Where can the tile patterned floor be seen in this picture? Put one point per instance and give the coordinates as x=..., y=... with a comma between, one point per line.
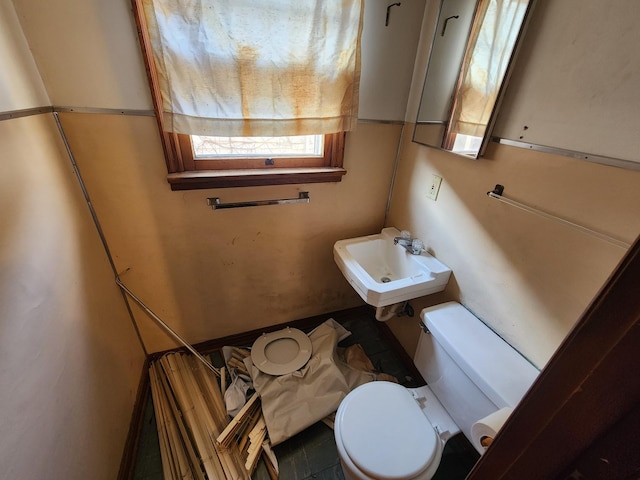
x=312, y=454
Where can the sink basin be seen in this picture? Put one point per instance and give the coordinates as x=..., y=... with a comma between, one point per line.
x=383, y=273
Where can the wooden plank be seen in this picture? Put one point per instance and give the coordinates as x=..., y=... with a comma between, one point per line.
x=223, y=380
x=239, y=354
x=239, y=178
x=229, y=460
x=197, y=439
x=210, y=394
x=243, y=435
x=182, y=439
x=227, y=433
x=168, y=468
x=172, y=422
x=256, y=437
x=183, y=462
x=270, y=460
x=210, y=460
x=238, y=365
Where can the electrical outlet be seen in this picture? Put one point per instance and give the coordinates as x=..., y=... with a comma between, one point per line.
x=434, y=187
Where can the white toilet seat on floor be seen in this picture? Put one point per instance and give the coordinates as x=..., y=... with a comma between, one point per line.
x=383, y=433
x=281, y=352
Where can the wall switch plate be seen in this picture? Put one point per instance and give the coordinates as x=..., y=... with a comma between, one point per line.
x=434, y=187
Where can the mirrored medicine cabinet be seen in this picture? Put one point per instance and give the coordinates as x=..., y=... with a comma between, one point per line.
x=472, y=52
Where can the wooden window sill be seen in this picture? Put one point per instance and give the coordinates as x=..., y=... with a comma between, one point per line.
x=193, y=180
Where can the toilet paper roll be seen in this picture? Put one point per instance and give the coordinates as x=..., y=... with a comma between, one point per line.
x=485, y=429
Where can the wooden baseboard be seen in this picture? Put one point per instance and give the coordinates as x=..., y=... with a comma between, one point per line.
x=128, y=461
x=247, y=338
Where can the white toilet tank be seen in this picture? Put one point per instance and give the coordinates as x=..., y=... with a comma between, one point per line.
x=471, y=370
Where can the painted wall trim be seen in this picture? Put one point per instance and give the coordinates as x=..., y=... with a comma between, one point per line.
x=124, y=111
x=589, y=157
x=9, y=115
x=24, y=113
x=105, y=111
x=385, y=122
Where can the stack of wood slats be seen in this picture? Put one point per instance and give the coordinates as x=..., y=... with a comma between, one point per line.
x=236, y=360
x=248, y=431
x=197, y=440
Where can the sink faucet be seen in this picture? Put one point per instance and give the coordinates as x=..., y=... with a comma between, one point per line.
x=412, y=245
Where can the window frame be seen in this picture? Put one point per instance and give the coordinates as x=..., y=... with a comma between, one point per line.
x=179, y=157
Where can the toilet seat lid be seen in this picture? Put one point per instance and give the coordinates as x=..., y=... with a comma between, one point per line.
x=281, y=352
x=385, y=433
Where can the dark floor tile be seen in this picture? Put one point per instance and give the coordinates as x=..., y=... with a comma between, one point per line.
x=320, y=447
x=387, y=362
x=365, y=332
x=152, y=476
x=292, y=459
x=216, y=358
x=334, y=472
x=148, y=460
x=458, y=459
x=261, y=472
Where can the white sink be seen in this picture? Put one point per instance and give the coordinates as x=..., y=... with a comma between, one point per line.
x=383, y=273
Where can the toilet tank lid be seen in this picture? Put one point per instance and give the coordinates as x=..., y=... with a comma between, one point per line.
x=498, y=370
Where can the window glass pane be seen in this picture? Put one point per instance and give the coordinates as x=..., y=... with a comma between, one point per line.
x=296, y=146
x=466, y=144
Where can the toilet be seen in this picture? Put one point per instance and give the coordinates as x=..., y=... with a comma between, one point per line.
x=386, y=431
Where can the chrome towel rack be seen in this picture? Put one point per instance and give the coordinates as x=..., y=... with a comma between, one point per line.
x=214, y=202
x=497, y=192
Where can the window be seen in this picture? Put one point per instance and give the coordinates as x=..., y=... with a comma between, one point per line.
x=230, y=109
x=220, y=148
x=251, y=161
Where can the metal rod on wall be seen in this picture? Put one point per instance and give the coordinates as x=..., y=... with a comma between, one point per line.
x=166, y=327
x=214, y=202
x=497, y=194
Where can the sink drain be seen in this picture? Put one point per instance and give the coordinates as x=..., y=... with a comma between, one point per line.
x=385, y=279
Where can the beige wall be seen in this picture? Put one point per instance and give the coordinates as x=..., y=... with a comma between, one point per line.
x=206, y=273
x=87, y=52
x=587, y=65
x=70, y=361
x=214, y=273
x=530, y=278
x=388, y=56
x=20, y=84
x=104, y=69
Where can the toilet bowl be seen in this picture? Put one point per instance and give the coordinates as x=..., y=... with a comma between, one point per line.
x=386, y=431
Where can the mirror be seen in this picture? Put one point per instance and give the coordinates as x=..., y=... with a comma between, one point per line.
x=472, y=50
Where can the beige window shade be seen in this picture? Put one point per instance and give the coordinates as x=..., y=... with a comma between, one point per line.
x=257, y=67
x=491, y=42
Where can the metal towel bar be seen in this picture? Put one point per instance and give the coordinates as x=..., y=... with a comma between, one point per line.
x=497, y=194
x=214, y=202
